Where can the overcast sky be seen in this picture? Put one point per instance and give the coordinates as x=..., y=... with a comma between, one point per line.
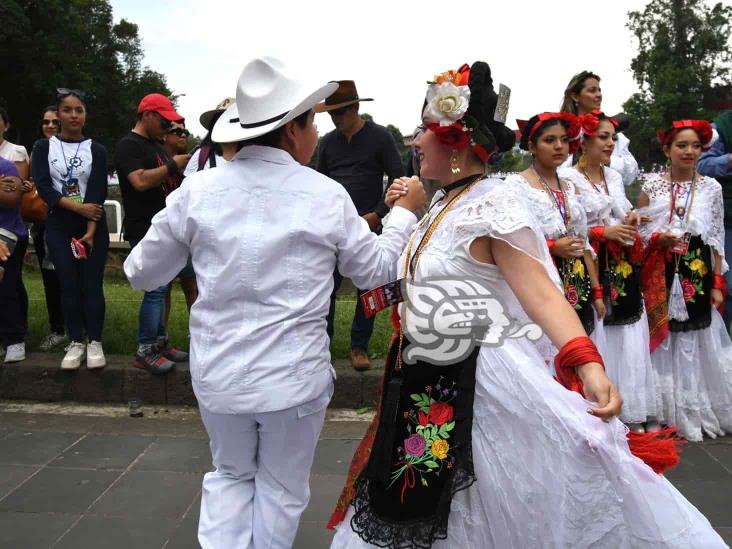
x=390, y=48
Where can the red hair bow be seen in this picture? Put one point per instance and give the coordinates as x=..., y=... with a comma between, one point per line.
x=702, y=128
x=573, y=129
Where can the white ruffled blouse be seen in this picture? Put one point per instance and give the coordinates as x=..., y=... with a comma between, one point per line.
x=545, y=210
x=705, y=217
x=600, y=208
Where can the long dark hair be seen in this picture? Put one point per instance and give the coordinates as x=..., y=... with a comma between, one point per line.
x=208, y=144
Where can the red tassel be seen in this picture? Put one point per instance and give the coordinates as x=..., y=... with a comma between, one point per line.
x=335, y=519
x=660, y=450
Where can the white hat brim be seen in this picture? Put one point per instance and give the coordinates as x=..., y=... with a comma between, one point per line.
x=228, y=129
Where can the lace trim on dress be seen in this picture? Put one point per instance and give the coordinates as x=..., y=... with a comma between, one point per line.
x=503, y=213
x=416, y=534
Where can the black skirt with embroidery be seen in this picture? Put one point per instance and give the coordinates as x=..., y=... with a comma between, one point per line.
x=621, y=280
x=697, y=277
x=421, y=456
x=577, y=289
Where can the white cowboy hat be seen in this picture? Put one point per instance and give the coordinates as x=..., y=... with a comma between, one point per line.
x=268, y=95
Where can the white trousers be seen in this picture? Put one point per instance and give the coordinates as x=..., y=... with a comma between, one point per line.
x=260, y=487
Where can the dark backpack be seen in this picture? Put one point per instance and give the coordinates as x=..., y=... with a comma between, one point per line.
x=206, y=153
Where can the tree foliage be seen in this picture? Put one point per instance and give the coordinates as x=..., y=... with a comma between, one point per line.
x=72, y=44
x=399, y=140
x=514, y=160
x=684, y=56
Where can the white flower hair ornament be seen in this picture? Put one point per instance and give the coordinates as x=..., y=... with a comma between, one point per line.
x=447, y=103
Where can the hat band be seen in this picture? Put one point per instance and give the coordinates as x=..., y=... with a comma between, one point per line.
x=338, y=100
x=262, y=123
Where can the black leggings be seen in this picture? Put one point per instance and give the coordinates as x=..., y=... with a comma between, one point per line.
x=13, y=298
x=51, y=284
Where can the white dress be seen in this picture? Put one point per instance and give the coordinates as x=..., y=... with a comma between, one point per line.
x=552, y=225
x=549, y=475
x=627, y=354
x=693, y=368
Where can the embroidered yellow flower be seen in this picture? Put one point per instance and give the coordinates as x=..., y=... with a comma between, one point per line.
x=698, y=266
x=578, y=268
x=440, y=448
x=624, y=268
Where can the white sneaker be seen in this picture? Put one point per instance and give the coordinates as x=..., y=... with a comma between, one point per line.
x=15, y=353
x=95, y=355
x=75, y=352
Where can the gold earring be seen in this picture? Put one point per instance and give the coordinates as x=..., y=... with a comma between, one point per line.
x=582, y=162
x=454, y=166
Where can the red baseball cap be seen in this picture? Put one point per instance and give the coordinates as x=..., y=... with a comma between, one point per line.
x=158, y=103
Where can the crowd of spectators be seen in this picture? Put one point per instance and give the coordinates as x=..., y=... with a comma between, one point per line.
x=67, y=175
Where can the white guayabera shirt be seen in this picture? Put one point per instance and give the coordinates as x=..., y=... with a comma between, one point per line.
x=265, y=234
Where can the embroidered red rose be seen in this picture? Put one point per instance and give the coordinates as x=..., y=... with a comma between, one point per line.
x=440, y=413
x=613, y=292
x=453, y=136
x=422, y=419
x=571, y=294
x=689, y=290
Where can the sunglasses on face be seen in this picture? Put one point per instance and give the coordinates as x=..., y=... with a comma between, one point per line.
x=180, y=132
x=47, y=122
x=341, y=111
x=164, y=122
x=65, y=92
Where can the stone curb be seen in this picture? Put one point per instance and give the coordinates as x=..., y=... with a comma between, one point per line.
x=40, y=378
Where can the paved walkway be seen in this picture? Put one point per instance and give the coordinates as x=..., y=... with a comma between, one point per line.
x=74, y=477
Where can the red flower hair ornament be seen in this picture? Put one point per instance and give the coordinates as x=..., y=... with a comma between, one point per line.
x=590, y=122
x=702, y=128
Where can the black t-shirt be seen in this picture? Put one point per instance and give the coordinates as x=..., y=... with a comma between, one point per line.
x=360, y=164
x=135, y=152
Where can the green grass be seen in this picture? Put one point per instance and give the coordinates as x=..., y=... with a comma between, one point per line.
x=123, y=306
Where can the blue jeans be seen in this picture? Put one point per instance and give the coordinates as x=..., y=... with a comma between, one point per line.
x=82, y=281
x=152, y=313
x=728, y=276
x=361, y=328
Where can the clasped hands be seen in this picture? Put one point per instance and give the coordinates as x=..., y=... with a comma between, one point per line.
x=406, y=192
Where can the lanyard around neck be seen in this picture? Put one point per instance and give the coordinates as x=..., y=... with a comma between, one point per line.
x=563, y=208
x=689, y=202
x=594, y=186
x=69, y=167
